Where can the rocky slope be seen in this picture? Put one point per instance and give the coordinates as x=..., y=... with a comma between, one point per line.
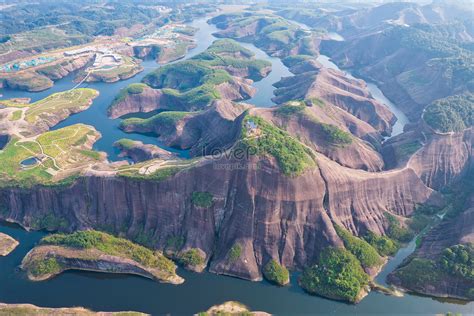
x=137, y=151
x=316, y=126
x=439, y=277
x=90, y=260
x=413, y=66
x=312, y=80
x=203, y=132
x=444, y=159
x=249, y=205
x=43, y=78
x=7, y=244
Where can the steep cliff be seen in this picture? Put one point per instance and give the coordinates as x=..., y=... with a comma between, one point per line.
x=138, y=151
x=444, y=159
x=445, y=255
x=413, y=65
x=312, y=80
x=256, y=212
x=321, y=127
x=215, y=128
x=43, y=78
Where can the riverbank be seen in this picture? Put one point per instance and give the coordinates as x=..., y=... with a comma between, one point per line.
x=114, y=292
x=29, y=309
x=98, y=252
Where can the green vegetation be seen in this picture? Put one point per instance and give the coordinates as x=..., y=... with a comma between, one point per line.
x=451, y=114
x=192, y=83
x=396, y=231
x=38, y=40
x=276, y=273
x=125, y=143
x=273, y=34
x=175, y=242
x=383, y=244
x=361, y=249
x=58, y=150
x=50, y=222
x=289, y=109
x=229, y=47
x=294, y=60
x=166, y=119
x=44, y=267
x=418, y=273
x=335, y=135
x=16, y=115
x=459, y=260
x=70, y=100
x=159, y=175
x=292, y=156
x=74, y=20
x=202, y=199
x=134, y=88
x=191, y=257
x=407, y=149
x=235, y=252
x=337, y=274
x=317, y=102
x=111, y=245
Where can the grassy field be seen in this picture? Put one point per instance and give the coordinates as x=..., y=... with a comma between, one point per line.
x=59, y=153
x=16, y=115
x=71, y=100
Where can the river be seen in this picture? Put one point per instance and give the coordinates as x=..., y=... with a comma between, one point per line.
x=108, y=292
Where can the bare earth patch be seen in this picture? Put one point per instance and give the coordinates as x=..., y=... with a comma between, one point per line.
x=7, y=244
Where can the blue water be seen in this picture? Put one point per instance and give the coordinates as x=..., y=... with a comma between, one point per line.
x=29, y=162
x=96, y=115
x=108, y=292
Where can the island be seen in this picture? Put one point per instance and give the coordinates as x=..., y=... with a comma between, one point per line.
x=96, y=251
x=230, y=308
x=268, y=150
x=29, y=309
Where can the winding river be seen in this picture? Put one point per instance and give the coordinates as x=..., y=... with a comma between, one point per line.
x=200, y=291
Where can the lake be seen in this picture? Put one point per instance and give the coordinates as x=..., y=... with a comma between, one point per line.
x=108, y=292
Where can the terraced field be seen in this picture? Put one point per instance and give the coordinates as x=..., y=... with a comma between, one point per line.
x=71, y=100
x=58, y=154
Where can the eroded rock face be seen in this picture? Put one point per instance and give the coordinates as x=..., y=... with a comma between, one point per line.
x=444, y=159
x=307, y=127
x=217, y=127
x=43, y=78
x=147, y=101
x=314, y=81
x=255, y=208
x=408, y=74
x=450, y=232
x=155, y=99
x=92, y=260
x=137, y=151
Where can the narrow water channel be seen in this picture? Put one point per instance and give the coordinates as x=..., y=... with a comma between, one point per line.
x=200, y=291
x=109, y=292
